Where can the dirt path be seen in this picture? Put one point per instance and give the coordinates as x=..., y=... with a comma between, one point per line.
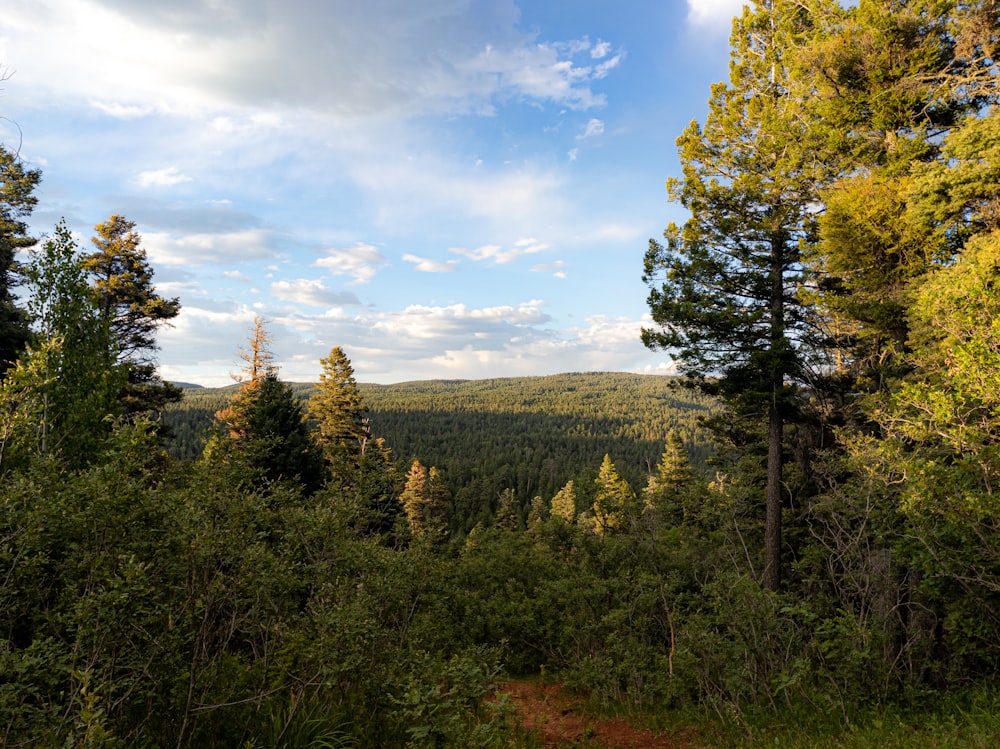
x=557, y=717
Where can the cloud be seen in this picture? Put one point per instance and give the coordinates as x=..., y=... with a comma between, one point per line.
x=361, y=262
x=415, y=342
x=717, y=13
x=593, y=128
x=501, y=256
x=555, y=268
x=311, y=293
x=431, y=266
x=122, y=111
x=166, y=177
x=599, y=50
x=206, y=248
x=348, y=59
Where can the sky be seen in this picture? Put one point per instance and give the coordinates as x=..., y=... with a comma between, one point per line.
x=446, y=189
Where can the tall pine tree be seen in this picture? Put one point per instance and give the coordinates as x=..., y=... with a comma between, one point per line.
x=724, y=286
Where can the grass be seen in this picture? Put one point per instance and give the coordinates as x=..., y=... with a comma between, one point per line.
x=964, y=722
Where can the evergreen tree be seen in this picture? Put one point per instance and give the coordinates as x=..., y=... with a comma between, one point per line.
x=668, y=491
x=17, y=200
x=508, y=513
x=425, y=501
x=374, y=492
x=258, y=365
x=277, y=445
x=123, y=285
x=341, y=429
x=267, y=431
x=564, y=503
x=615, y=502
x=724, y=286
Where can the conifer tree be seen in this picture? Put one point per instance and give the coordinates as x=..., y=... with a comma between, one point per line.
x=123, y=286
x=724, y=286
x=614, y=502
x=17, y=200
x=564, y=503
x=258, y=364
x=277, y=444
x=265, y=421
x=667, y=492
x=341, y=428
x=508, y=513
x=425, y=500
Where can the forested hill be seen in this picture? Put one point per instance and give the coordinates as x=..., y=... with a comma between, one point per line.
x=531, y=434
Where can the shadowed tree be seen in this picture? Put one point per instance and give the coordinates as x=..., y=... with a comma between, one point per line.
x=17, y=186
x=668, y=492
x=123, y=285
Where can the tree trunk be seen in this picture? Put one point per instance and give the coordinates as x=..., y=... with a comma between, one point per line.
x=775, y=419
x=772, y=530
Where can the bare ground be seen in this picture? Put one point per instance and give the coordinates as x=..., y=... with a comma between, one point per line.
x=559, y=719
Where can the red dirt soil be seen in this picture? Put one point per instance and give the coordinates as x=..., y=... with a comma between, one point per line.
x=558, y=718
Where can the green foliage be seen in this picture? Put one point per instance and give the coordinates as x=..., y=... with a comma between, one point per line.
x=62, y=395
x=17, y=200
x=533, y=434
x=453, y=704
x=336, y=407
x=122, y=282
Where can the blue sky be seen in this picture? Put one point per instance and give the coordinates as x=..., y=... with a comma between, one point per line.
x=444, y=188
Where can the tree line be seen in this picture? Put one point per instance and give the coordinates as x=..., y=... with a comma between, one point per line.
x=529, y=435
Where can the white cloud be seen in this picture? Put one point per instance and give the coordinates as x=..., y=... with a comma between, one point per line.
x=499, y=255
x=200, y=248
x=312, y=293
x=431, y=266
x=408, y=188
x=573, y=153
x=718, y=13
x=344, y=58
x=361, y=262
x=593, y=128
x=166, y=177
x=555, y=268
x=416, y=342
x=122, y=111
x=601, y=49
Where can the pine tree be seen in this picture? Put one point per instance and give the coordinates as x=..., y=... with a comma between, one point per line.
x=668, y=490
x=266, y=427
x=277, y=444
x=564, y=503
x=508, y=513
x=724, y=287
x=425, y=501
x=258, y=365
x=374, y=492
x=615, y=502
x=342, y=430
x=17, y=200
x=123, y=285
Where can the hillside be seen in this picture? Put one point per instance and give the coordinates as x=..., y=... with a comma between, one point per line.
x=532, y=434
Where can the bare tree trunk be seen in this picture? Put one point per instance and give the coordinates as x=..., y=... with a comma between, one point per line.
x=772, y=530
